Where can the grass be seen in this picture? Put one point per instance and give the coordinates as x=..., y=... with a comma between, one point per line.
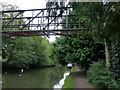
x=0, y=57
x=68, y=82
x=73, y=69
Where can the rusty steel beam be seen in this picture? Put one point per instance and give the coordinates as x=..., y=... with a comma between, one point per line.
x=41, y=33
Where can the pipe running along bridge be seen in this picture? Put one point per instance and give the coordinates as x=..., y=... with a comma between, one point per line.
x=38, y=22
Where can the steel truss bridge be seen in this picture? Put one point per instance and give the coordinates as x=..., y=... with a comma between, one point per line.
x=38, y=22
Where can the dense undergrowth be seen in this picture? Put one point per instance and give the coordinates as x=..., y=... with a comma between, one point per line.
x=101, y=77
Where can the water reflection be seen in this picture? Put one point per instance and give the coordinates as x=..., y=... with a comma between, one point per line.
x=33, y=78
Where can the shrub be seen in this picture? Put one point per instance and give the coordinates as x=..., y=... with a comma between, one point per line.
x=101, y=77
x=23, y=52
x=78, y=49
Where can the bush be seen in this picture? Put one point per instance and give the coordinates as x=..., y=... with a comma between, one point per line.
x=23, y=52
x=78, y=49
x=101, y=77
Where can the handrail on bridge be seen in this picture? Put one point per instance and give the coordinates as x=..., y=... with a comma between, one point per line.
x=46, y=21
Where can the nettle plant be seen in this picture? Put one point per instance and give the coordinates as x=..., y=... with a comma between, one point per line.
x=114, y=51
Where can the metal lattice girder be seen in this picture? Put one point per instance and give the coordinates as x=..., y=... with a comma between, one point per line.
x=40, y=33
x=36, y=22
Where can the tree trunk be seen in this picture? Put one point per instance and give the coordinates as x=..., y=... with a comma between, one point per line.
x=107, y=55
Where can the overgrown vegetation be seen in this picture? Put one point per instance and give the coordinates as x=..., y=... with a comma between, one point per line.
x=77, y=49
x=22, y=52
x=101, y=77
x=102, y=23
x=114, y=50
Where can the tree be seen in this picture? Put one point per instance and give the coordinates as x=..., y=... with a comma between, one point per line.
x=78, y=49
x=6, y=7
x=23, y=52
x=57, y=5
x=104, y=20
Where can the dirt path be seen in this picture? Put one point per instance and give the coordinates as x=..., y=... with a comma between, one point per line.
x=80, y=80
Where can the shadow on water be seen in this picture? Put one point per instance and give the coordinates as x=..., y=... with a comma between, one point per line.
x=34, y=78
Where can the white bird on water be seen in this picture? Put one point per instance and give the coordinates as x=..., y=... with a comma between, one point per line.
x=21, y=72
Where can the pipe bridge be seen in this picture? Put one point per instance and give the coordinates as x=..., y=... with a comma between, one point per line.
x=38, y=22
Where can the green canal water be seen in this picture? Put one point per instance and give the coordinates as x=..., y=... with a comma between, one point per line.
x=33, y=78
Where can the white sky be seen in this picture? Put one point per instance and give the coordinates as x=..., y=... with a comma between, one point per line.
x=29, y=4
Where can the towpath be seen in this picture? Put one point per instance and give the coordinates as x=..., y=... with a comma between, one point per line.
x=80, y=80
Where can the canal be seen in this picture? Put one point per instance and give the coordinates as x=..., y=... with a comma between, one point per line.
x=45, y=77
